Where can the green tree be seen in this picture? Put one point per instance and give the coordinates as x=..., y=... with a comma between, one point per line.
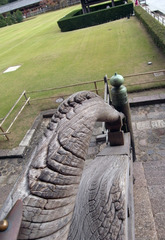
x=9, y=19
x=18, y=16
x=13, y=18
x=2, y=2
x=9, y=1
x=2, y=21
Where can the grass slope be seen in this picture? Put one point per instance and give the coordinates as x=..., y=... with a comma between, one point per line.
x=50, y=58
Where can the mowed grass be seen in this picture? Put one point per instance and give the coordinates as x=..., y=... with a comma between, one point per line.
x=50, y=58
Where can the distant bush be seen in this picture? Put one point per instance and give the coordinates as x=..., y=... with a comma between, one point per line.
x=18, y=16
x=10, y=19
x=2, y=21
x=2, y=2
x=155, y=29
x=77, y=20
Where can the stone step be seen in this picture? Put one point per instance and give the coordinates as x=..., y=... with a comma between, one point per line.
x=155, y=177
x=145, y=228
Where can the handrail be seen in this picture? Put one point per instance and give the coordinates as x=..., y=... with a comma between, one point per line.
x=27, y=101
x=12, y=108
x=146, y=73
x=95, y=84
x=3, y=132
x=66, y=86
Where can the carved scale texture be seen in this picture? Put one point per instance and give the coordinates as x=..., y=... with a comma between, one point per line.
x=56, y=169
x=100, y=208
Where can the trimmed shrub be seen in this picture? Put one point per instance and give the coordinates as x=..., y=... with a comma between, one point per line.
x=155, y=29
x=76, y=20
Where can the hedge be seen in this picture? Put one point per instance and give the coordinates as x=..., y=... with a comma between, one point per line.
x=76, y=20
x=155, y=29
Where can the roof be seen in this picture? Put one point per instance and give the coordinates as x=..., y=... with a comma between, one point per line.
x=156, y=5
x=17, y=5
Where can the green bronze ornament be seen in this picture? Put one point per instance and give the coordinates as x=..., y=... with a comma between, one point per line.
x=119, y=91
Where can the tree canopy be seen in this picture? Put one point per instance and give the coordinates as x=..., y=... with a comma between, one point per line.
x=2, y=2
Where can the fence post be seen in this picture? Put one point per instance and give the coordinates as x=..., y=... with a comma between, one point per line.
x=96, y=88
x=120, y=102
x=4, y=133
x=26, y=97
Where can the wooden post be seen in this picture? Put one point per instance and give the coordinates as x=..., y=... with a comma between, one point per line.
x=4, y=133
x=26, y=97
x=96, y=88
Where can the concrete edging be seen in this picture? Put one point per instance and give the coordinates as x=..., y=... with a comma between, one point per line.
x=147, y=100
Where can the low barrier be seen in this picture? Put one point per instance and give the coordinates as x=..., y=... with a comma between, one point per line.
x=5, y=133
x=94, y=88
x=95, y=84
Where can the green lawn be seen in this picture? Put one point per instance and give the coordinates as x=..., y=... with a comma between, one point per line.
x=50, y=58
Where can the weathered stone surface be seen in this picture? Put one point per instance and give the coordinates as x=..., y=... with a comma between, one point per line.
x=28, y=137
x=159, y=220
x=117, y=150
x=17, y=152
x=150, y=147
x=144, y=221
x=101, y=207
x=56, y=167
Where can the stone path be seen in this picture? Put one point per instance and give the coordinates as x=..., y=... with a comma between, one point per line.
x=149, y=168
x=149, y=171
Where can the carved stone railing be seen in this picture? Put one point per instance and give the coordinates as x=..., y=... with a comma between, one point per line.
x=50, y=188
x=104, y=204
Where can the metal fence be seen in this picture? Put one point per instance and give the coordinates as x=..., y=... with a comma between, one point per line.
x=155, y=14
x=62, y=4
